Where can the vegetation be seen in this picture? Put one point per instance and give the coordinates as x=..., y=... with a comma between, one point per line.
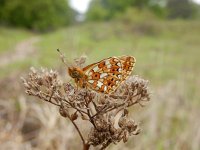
x=185, y=9
x=37, y=15
x=109, y=9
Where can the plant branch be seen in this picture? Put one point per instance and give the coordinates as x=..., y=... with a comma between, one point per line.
x=100, y=111
x=65, y=101
x=79, y=132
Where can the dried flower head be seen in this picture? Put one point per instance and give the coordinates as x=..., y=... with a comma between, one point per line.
x=107, y=113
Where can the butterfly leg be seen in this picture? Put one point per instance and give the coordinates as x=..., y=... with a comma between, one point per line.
x=82, y=83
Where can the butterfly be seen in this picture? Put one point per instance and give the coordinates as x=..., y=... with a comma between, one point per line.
x=103, y=76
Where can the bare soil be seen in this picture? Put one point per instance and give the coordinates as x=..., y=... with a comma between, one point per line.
x=20, y=52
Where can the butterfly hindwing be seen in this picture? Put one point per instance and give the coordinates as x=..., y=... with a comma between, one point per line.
x=106, y=75
x=128, y=63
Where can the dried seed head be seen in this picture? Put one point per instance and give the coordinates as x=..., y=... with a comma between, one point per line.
x=101, y=110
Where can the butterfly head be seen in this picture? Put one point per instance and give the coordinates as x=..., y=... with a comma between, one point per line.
x=75, y=72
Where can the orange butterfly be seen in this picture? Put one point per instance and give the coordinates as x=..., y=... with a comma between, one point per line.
x=104, y=76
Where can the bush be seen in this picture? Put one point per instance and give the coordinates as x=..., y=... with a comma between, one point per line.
x=109, y=9
x=97, y=13
x=184, y=9
x=37, y=15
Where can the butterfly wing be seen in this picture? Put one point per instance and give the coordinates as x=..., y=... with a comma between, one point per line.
x=106, y=75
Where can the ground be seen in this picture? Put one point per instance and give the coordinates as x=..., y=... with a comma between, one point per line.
x=167, y=54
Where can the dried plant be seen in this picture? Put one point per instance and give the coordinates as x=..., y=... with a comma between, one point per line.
x=107, y=114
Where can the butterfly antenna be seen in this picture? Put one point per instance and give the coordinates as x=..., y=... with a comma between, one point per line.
x=62, y=56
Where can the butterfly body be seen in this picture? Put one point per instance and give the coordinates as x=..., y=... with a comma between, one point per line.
x=104, y=76
x=78, y=75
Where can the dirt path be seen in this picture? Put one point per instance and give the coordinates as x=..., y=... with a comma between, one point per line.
x=20, y=52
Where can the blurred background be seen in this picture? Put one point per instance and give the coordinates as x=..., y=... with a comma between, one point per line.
x=163, y=35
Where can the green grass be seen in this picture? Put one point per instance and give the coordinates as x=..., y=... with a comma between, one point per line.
x=161, y=56
x=164, y=50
